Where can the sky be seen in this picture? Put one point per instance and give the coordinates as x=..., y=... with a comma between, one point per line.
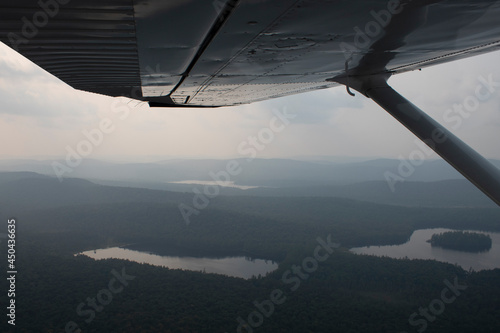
x=42, y=117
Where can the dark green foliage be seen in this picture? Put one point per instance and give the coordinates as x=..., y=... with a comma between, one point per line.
x=346, y=293
x=462, y=241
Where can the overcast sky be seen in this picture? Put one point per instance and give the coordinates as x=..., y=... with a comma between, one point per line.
x=40, y=116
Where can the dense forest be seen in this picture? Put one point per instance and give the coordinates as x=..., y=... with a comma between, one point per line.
x=462, y=241
x=327, y=291
x=347, y=293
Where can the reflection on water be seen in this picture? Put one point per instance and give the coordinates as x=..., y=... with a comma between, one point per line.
x=418, y=248
x=214, y=183
x=232, y=266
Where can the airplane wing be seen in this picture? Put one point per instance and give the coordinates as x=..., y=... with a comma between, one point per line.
x=210, y=53
x=229, y=52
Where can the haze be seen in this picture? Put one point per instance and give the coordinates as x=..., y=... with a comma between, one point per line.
x=41, y=117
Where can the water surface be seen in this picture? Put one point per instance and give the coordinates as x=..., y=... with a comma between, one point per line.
x=242, y=267
x=214, y=183
x=418, y=248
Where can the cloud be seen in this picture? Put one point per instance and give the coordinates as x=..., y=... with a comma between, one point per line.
x=26, y=90
x=438, y=89
x=317, y=107
x=40, y=115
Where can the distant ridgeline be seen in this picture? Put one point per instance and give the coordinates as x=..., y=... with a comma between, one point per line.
x=462, y=241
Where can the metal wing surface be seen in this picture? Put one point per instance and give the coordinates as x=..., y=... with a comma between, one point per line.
x=230, y=52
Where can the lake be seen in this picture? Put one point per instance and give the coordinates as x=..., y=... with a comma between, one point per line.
x=242, y=267
x=418, y=248
x=214, y=183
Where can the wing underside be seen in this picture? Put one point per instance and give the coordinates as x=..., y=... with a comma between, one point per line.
x=229, y=52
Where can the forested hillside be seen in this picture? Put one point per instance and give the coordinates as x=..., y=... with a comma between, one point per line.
x=327, y=291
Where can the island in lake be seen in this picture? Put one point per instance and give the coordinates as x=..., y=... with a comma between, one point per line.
x=462, y=241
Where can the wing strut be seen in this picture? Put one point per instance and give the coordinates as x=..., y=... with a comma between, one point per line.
x=462, y=157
